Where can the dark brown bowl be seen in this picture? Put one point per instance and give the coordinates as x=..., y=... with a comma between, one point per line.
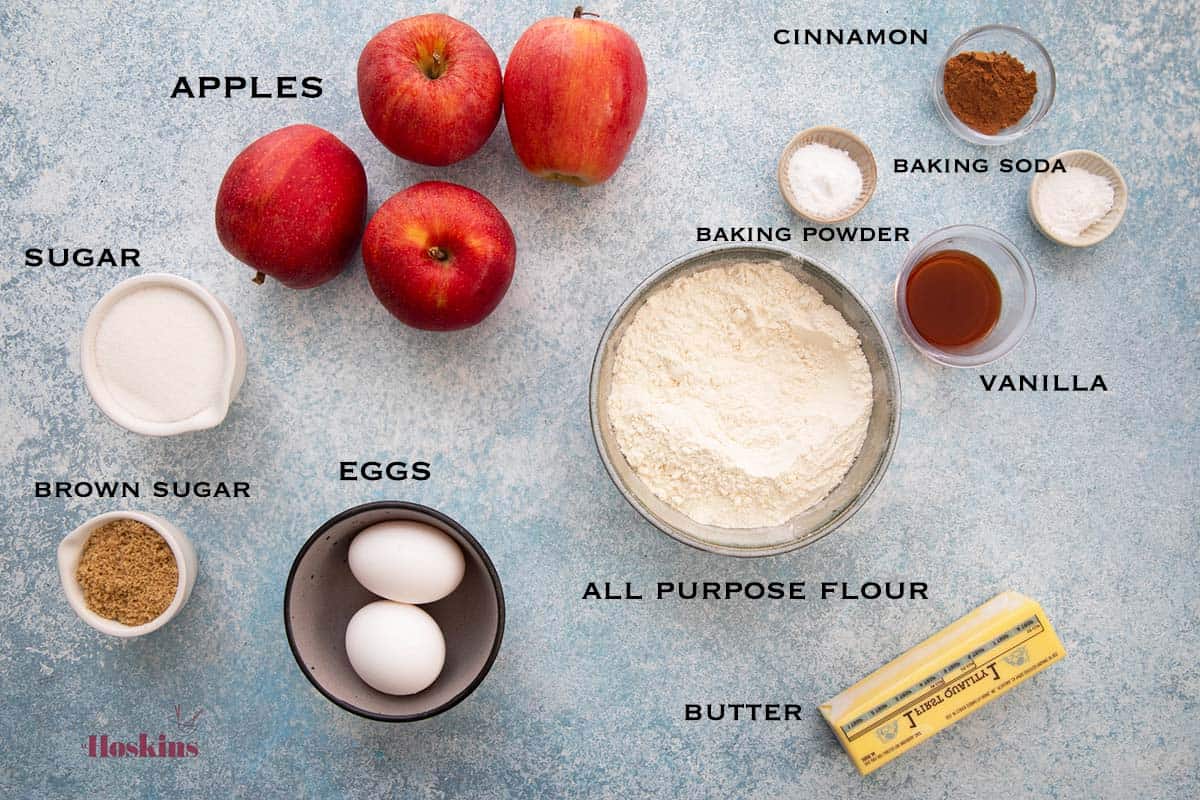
x=322, y=595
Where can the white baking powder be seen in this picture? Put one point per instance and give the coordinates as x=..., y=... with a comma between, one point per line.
x=825, y=180
x=739, y=396
x=1070, y=202
x=161, y=354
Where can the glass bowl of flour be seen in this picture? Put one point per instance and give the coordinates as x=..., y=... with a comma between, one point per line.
x=745, y=400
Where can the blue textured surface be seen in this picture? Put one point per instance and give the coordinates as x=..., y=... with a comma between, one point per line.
x=1084, y=501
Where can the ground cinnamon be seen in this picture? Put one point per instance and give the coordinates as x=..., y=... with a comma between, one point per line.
x=988, y=92
x=127, y=572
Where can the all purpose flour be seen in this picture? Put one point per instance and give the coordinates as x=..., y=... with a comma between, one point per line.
x=739, y=396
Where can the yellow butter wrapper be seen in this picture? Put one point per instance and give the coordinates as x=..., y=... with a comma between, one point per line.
x=960, y=668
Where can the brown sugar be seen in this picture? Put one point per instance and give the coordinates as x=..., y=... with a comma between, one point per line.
x=127, y=572
x=988, y=92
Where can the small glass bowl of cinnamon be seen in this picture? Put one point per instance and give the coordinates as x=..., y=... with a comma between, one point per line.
x=983, y=88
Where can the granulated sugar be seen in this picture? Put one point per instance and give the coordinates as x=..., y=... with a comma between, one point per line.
x=161, y=354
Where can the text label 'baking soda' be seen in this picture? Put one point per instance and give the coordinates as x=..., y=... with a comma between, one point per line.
x=974, y=166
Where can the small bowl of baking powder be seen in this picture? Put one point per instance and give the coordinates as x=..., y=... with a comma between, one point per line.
x=827, y=174
x=745, y=400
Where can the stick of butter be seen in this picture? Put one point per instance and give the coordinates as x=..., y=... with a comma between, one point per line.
x=952, y=673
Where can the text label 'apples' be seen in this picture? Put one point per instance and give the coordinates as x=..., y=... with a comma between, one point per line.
x=574, y=93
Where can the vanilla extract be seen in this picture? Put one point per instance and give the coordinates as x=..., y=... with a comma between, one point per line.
x=953, y=299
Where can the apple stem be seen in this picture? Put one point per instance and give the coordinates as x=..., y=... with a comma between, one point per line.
x=579, y=12
x=259, y=278
x=436, y=67
x=437, y=253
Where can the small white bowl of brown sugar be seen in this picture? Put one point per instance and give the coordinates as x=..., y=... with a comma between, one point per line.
x=127, y=573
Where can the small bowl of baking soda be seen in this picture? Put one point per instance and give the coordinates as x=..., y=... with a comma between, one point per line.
x=1082, y=205
x=827, y=175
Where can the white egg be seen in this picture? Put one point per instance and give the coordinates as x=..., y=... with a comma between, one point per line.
x=396, y=648
x=407, y=561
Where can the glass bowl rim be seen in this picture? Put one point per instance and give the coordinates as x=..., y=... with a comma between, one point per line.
x=958, y=126
x=1025, y=318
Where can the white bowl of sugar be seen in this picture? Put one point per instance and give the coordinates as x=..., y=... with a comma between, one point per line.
x=162, y=356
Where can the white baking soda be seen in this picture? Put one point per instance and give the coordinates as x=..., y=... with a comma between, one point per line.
x=160, y=352
x=1071, y=202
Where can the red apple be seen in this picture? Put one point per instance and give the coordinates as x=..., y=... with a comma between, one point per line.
x=439, y=256
x=292, y=206
x=429, y=88
x=574, y=93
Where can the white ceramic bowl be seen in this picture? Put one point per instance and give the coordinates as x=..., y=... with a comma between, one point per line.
x=70, y=550
x=234, y=370
x=838, y=138
x=1099, y=230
